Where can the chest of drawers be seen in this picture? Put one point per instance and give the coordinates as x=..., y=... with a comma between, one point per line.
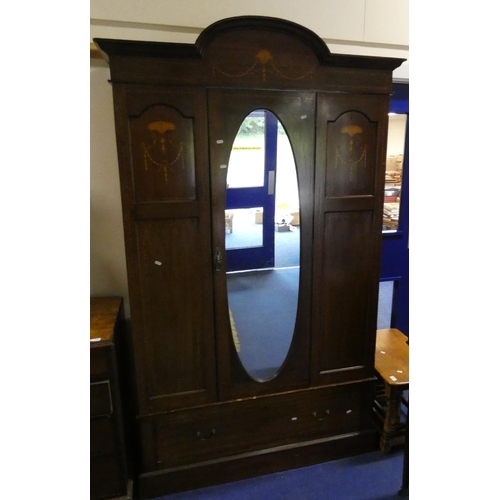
x=109, y=469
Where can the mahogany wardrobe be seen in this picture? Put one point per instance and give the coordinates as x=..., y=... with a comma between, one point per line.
x=201, y=416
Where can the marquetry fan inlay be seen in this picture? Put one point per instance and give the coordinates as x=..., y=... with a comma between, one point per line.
x=350, y=169
x=162, y=152
x=356, y=154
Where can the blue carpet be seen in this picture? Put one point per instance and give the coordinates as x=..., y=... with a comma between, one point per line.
x=372, y=476
x=264, y=308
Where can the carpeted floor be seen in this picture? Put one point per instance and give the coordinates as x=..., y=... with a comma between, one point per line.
x=263, y=306
x=371, y=476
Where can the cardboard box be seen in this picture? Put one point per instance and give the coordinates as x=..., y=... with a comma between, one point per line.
x=296, y=218
x=229, y=221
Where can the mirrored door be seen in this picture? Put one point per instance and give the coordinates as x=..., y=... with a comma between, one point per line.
x=262, y=309
x=394, y=273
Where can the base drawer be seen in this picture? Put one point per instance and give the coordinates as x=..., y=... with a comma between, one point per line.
x=187, y=436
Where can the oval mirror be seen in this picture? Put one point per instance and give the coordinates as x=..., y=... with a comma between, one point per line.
x=262, y=244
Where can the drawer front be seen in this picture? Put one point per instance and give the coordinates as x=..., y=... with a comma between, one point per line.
x=100, y=361
x=231, y=428
x=102, y=436
x=100, y=399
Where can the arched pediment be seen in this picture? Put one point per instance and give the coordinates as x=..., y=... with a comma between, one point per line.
x=261, y=49
x=265, y=25
x=248, y=52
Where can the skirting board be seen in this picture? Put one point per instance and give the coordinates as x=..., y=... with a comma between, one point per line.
x=244, y=466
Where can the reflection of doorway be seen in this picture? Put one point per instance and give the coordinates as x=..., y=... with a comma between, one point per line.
x=245, y=232
x=262, y=201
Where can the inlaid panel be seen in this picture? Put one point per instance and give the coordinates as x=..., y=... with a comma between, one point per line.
x=261, y=58
x=350, y=155
x=260, y=52
x=163, y=155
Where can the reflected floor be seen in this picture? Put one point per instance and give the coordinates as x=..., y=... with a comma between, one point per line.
x=263, y=305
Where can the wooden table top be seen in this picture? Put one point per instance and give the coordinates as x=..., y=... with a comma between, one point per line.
x=392, y=356
x=103, y=316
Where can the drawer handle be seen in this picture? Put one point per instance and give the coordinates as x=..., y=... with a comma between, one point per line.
x=327, y=412
x=207, y=437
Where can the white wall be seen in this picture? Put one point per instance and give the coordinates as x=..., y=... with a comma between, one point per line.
x=107, y=251
x=360, y=27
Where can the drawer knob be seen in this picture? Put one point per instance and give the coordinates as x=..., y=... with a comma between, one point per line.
x=206, y=437
x=315, y=415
